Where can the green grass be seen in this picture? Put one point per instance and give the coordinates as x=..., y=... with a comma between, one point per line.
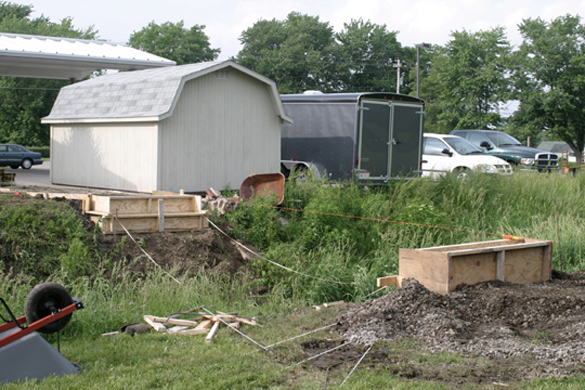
x=320, y=238
x=312, y=234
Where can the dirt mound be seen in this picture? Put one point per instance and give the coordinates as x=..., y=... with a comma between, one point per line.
x=543, y=324
x=185, y=253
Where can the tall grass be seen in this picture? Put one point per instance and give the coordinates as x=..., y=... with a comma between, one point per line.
x=351, y=235
x=336, y=238
x=39, y=237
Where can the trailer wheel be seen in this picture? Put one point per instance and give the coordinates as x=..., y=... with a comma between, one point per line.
x=43, y=301
x=299, y=173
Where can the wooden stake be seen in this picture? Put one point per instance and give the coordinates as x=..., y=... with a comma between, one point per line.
x=212, y=332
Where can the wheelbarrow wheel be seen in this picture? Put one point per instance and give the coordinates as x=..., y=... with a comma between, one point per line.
x=44, y=300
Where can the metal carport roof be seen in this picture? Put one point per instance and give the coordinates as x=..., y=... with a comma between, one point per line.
x=66, y=58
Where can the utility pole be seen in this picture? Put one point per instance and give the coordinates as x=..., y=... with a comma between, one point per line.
x=418, y=47
x=398, y=66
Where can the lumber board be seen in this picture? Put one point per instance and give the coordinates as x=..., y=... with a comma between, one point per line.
x=247, y=321
x=194, y=331
x=220, y=317
x=143, y=204
x=394, y=280
x=212, y=332
x=174, y=321
x=150, y=225
x=473, y=245
x=205, y=324
x=144, y=215
x=155, y=325
x=177, y=329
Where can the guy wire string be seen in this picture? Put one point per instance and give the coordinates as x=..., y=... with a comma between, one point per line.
x=401, y=222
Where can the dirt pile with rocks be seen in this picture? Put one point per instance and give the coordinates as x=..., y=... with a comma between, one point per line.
x=185, y=253
x=541, y=324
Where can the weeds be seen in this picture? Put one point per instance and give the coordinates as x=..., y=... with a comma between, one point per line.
x=352, y=235
x=342, y=236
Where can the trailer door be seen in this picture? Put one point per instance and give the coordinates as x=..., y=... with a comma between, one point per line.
x=390, y=139
x=405, y=139
x=374, y=138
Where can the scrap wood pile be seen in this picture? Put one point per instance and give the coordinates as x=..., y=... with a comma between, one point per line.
x=216, y=201
x=203, y=323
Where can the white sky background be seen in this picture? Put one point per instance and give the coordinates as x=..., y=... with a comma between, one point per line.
x=416, y=21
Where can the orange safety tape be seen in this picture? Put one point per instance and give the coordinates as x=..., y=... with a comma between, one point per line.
x=505, y=236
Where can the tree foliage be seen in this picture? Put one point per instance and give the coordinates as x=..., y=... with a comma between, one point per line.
x=302, y=53
x=24, y=101
x=365, y=57
x=468, y=81
x=296, y=53
x=175, y=42
x=549, y=77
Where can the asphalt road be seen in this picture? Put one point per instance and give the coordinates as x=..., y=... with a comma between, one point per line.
x=38, y=175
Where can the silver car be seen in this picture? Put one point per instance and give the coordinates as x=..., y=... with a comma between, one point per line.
x=16, y=156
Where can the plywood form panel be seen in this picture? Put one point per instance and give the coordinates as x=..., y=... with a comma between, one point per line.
x=525, y=266
x=472, y=269
x=145, y=214
x=429, y=268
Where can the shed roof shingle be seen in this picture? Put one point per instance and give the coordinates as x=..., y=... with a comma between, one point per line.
x=137, y=95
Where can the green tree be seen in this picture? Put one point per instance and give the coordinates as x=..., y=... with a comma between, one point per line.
x=549, y=77
x=297, y=53
x=23, y=101
x=366, y=56
x=175, y=42
x=468, y=81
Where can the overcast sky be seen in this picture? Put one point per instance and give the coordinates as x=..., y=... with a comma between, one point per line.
x=416, y=21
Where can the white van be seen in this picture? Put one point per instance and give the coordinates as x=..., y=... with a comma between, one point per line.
x=450, y=153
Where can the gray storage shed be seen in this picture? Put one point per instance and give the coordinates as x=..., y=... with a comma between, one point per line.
x=187, y=127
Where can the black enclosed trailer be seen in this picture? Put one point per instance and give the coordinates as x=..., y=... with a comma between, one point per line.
x=367, y=137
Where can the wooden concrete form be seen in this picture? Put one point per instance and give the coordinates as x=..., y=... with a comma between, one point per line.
x=441, y=269
x=6, y=178
x=146, y=214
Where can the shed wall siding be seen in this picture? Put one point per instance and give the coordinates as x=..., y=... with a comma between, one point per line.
x=223, y=129
x=122, y=157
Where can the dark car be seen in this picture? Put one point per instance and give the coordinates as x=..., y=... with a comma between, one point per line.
x=508, y=148
x=16, y=156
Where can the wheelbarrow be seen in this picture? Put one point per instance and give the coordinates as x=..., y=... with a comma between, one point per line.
x=24, y=354
x=263, y=185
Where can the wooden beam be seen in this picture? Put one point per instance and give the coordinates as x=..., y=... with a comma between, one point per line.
x=393, y=280
x=212, y=332
x=161, y=215
x=501, y=266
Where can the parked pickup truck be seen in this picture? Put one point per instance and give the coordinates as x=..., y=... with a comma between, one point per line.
x=508, y=148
